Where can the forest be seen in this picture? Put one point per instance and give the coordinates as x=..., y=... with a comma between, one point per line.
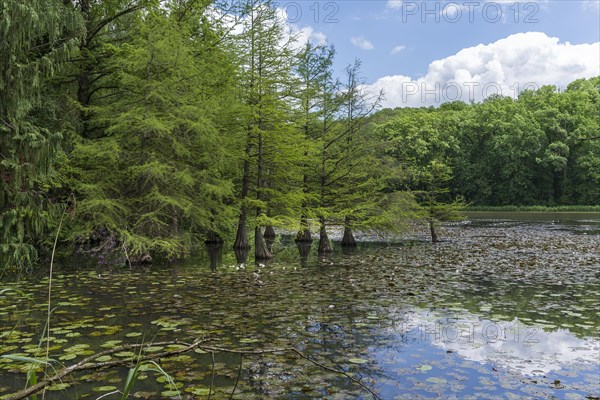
x=139, y=129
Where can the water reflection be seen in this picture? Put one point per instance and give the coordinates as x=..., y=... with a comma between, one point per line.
x=241, y=255
x=304, y=251
x=347, y=311
x=349, y=250
x=215, y=254
x=513, y=345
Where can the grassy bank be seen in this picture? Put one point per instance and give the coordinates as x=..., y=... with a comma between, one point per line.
x=535, y=208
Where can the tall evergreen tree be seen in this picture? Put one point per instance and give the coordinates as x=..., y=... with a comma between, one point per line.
x=348, y=176
x=313, y=74
x=155, y=180
x=265, y=86
x=358, y=153
x=37, y=37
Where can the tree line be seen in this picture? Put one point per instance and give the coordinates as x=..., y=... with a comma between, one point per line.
x=152, y=126
x=542, y=148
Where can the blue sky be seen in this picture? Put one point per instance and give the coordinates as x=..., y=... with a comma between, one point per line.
x=541, y=42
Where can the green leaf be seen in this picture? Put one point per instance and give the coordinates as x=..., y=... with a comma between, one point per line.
x=357, y=360
x=25, y=359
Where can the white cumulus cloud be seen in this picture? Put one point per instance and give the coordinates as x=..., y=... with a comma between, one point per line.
x=394, y=4
x=591, y=5
x=507, y=66
x=398, y=49
x=361, y=42
x=299, y=34
x=294, y=34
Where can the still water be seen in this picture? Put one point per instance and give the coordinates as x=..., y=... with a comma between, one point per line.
x=508, y=306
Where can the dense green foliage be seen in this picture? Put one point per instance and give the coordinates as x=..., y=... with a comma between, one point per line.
x=36, y=39
x=540, y=149
x=175, y=122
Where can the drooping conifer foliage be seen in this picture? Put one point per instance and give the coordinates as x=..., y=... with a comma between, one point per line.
x=37, y=38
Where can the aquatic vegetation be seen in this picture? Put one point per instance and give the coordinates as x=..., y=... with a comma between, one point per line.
x=503, y=309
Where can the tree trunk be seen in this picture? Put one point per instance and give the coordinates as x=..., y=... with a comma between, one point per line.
x=241, y=237
x=261, y=251
x=324, y=243
x=269, y=232
x=304, y=235
x=348, y=239
x=269, y=242
x=241, y=255
x=84, y=85
x=213, y=238
x=215, y=252
x=556, y=188
x=434, y=237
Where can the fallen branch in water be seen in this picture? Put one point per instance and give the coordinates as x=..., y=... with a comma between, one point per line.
x=298, y=353
x=89, y=364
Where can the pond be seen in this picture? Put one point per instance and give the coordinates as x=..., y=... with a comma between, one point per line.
x=508, y=306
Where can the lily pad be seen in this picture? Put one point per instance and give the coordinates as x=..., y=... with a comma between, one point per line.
x=436, y=380
x=153, y=349
x=357, y=360
x=199, y=391
x=125, y=354
x=249, y=340
x=111, y=344
x=59, y=386
x=104, y=388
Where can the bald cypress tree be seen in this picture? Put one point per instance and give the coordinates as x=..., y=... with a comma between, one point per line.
x=156, y=182
x=265, y=78
x=36, y=39
x=350, y=178
x=313, y=70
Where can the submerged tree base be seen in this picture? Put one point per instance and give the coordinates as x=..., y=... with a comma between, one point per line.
x=241, y=237
x=241, y=255
x=434, y=236
x=261, y=250
x=214, y=238
x=348, y=239
x=324, y=243
x=269, y=232
x=304, y=236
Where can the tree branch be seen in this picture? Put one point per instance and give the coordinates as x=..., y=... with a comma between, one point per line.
x=88, y=364
x=94, y=31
